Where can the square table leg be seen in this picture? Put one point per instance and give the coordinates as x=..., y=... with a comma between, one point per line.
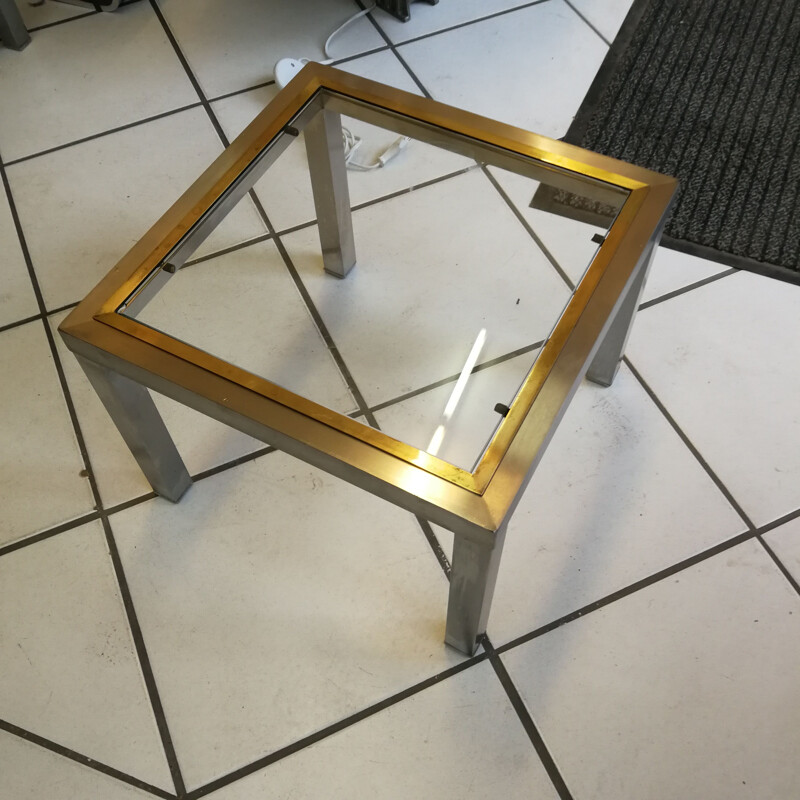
x=473, y=576
x=328, y=171
x=135, y=414
x=13, y=32
x=607, y=358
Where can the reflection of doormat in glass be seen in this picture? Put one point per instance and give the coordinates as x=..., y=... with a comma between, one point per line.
x=707, y=91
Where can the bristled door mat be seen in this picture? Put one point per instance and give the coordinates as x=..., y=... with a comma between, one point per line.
x=707, y=91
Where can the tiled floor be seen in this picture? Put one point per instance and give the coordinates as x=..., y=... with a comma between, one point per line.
x=278, y=634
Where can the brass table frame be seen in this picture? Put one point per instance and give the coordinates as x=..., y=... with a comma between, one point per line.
x=123, y=358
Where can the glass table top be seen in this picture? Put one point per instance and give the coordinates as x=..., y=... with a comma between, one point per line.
x=462, y=272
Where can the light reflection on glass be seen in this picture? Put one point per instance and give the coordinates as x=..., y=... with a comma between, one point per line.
x=455, y=395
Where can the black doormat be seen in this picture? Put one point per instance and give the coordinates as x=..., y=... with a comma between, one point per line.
x=709, y=91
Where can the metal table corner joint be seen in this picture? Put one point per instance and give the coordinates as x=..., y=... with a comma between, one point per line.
x=123, y=358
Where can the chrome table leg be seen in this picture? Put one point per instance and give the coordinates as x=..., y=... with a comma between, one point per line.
x=135, y=414
x=13, y=32
x=608, y=356
x=472, y=579
x=328, y=171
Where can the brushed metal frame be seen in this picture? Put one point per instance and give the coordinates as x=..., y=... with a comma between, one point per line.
x=121, y=355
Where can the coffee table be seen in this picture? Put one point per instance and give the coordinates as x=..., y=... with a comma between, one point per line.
x=430, y=327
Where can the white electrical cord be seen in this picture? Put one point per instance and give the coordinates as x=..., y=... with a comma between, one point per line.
x=351, y=144
x=287, y=68
x=347, y=22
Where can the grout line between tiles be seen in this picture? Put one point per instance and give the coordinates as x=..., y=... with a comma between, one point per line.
x=228, y=250
x=37, y=291
x=694, y=451
x=58, y=22
x=391, y=45
x=98, y=766
x=128, y=125
x=311, y=223
x=585, y=19
x=319, y=322
x=527, y=722
x=400, y=192
x=81, y=442
x=776, y=523
x=554, y=262
x=684, y=289
x=271, y=81
x=779, y=564
x=518, y=214
x=65, y=307
x=144, y=660
x=465, y=24
x=411, y=72
x=49, y=533
x=234, y=92
x=208, y=473
x=126, y=504
x=453, y=378
x=134, y=501
x=18, y=323
x=329, y=730
x=389, y=196
x=34, y=317
x=189, y=73
x=626, y=591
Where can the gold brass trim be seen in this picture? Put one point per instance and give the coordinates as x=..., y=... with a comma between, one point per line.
x=441, y=491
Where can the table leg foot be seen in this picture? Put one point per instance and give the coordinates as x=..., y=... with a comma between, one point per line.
x=472, y=579
x=605, y=363
x=13, y=32
x=138, y=421
x=328, y=172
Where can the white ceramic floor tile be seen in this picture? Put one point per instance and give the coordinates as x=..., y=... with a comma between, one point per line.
x=286, y=189
x=275, y=600
x=685, y=689
x=32, y=773
x=69, y=669
x=415, y=421
x=606, y=15
x=83, y=208
x=730, y=382
x=88, y=76
x=244, y=308
x=535, y=67
x=202, y=442
x=47, y=12
x=426, y=18
x=234, y=44
x=616, y=498
x=41, y=478
x=17, y=300
x=785, y=542
x=672, y=270
x=459, y=739
x=435, y=266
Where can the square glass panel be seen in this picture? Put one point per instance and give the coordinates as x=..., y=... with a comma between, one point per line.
x=462, y=272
